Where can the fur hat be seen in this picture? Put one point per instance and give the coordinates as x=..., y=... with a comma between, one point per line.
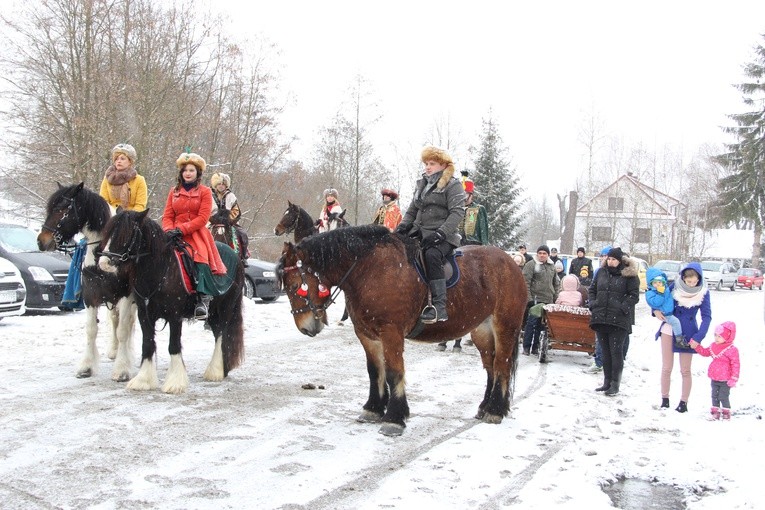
x=543, y=248
x=438, y=155
x=218, y=178
x=387, y=191
x=616, y=253
x=193, y=158
x=727, y=330
x=581, y=248
x=126, y=149
x=330, y=192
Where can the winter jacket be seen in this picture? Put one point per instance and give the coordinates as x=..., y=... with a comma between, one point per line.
x=570, y=294
x=613, y=296
x=541, y=281
x=474, y=229
x=686, y=309
x=662, y=301
x=725, y=362
x=138, y=194
x=441, y=205
x=189, y=212
x=388, y=215
x=325, y=225
x=229, y=201
x=575, y=268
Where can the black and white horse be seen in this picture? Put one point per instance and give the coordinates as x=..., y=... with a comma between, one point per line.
x=134, y=246
x=73, y=209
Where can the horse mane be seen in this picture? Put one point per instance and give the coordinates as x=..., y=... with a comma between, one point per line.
x=303, y=215
x=85, y=200
x=350, y=243
x=120, y=228
x=221, y=217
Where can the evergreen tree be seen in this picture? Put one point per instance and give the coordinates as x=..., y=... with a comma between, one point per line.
x=742, y=191
x=497, y=188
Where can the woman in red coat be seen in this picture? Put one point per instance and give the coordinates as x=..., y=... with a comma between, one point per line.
x=187, y=211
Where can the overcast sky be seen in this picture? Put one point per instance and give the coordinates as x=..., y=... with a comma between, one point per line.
x=653, y=72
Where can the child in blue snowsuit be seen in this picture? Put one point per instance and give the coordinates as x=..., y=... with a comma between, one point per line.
x=659, y=297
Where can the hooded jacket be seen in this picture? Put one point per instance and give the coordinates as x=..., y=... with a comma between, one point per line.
x=687, y=307
x=570, y=294
x=725, y=364
x=613, y=296
x=441, y=205
x=662, y=301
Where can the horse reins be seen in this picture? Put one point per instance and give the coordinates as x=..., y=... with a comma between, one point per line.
x=310, y=306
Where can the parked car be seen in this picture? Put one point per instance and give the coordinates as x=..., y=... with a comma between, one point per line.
x=260, y=280
x=13, y=293
x=749, y=278
x=719, y=274
x=642, y=269
x=671, y=268
x=44, y=273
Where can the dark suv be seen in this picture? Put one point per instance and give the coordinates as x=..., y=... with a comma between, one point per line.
x=44, y=273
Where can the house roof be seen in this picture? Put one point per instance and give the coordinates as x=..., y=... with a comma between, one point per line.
x=659, y=198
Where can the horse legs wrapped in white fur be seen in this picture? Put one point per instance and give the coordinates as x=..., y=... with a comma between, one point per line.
x=89, y=364
x=146, y=379
x=177, y=380
x=124, y=326
x=214, y=370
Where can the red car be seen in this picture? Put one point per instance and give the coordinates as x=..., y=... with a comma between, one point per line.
x=749, y=278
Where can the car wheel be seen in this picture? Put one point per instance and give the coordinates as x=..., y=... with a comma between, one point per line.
x=249, y=288
x=719, y=285
x=268, y=299
x=733, y=288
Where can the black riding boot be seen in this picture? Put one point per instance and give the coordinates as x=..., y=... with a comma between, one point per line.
x=437, y=312
x=613, y=389
x=606, y=385
x=203, y=302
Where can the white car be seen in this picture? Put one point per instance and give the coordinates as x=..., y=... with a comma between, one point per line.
x=719, y=274
x=13, y=293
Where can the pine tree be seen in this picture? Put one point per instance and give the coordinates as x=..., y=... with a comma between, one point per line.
x=742, y=191
x=497, y=188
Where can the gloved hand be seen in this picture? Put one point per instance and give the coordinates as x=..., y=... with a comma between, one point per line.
x=731, y=383
x=433, y=239
x=403, y=229
x=173, y=234
x=318, y=223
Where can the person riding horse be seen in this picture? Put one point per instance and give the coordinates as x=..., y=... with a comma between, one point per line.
x=224, y=198
x=434, y=215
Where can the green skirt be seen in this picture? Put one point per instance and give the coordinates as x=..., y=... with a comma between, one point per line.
x=216, y=285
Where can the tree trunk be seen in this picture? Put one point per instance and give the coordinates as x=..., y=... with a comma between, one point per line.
x=757, y=244
x=569, y=225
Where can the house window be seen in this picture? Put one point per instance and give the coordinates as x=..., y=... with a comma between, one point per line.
x=642, y=235
x=615, y=204
x=601, y=233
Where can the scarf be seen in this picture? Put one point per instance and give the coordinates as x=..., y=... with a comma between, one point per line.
x=118, y=182
x=689, y=296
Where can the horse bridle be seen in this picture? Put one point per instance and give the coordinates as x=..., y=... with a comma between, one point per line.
x=310, y=306
x=58, y=238
x=135, y=243
x=291, y=228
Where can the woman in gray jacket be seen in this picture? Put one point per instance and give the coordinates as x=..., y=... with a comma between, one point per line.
x=434, y=215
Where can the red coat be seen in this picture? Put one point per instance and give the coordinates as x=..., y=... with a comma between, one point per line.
x=189, y=211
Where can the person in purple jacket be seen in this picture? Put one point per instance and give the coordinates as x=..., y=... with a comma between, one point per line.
x=691, y=297
x=724, y=369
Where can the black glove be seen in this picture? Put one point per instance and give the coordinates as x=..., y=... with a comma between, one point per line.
x=318, y=223
x=173, y=234
x=433, y=239
x=403, y=229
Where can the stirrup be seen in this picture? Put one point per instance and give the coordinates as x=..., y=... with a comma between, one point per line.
x=435, y=315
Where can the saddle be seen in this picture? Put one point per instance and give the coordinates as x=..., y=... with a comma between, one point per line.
x=451, y=269
x=189, y=268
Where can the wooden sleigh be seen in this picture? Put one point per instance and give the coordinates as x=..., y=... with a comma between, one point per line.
x=566, y=328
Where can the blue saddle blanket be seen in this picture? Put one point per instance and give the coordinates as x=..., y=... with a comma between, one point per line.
x=451, y=269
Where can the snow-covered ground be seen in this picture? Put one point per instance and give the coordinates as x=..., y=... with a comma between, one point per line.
x=260, y=440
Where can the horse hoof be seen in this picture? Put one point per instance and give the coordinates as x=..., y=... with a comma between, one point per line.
x=391, y=429
x=85, y=373
x=480, y=414
x=492, y=418
x=123, y=377
x=369, y=417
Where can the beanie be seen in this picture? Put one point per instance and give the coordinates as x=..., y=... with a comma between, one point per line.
x=616, y=253
x=559, y=266
x=727, y=330
x=543, y=248
x=581, y=249
x=604, y=251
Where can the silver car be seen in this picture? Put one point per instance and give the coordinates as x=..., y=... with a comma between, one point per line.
x=719, y=274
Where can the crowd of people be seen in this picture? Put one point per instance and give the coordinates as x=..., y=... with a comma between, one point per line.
x=444, y=214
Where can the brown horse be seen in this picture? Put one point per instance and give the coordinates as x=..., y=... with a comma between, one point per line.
x=488, y=302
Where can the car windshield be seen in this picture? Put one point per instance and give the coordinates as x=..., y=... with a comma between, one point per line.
x=15, y=239
x=669, y=266
x=711, y=266
x=746, y=272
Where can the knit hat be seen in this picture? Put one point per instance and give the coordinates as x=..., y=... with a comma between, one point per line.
x=543, y=248
x=126, y=149
x=616, y=253
x=604, y=251
x=554, y=249
x=581, y=248
x=727, y=330
x=558, y=266
x=193, y=158
x=387, y=191
x=218, y=178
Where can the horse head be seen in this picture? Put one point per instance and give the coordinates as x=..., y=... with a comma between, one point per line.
x=288, y=220
x=309, y=297
x=62, y=221
x=124, y=240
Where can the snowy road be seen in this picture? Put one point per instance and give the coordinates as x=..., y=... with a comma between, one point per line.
x=259, y=440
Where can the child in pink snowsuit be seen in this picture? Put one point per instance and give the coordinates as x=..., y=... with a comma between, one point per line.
x=724, y=369
x=570, y=294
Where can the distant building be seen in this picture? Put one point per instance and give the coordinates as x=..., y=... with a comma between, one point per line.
x=642, y=220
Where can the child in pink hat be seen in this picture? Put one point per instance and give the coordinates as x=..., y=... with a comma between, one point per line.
x=723, y=371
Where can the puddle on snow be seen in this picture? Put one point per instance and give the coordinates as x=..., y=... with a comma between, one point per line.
x=635, y=494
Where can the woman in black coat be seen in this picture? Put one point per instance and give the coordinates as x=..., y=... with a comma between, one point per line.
x=614, y=292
